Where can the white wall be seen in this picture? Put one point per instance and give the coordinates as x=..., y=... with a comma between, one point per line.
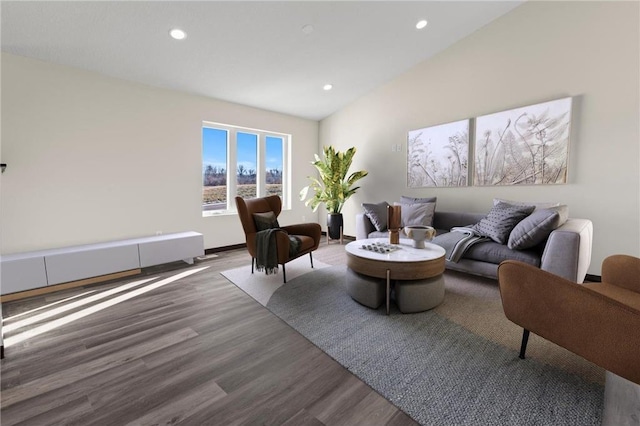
x=92, y=158
x=538, y=52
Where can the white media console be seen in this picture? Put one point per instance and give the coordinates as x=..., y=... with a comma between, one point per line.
x=31, y=270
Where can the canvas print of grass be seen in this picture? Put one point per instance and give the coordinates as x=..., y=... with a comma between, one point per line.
x=438, y=156
x=523, y=146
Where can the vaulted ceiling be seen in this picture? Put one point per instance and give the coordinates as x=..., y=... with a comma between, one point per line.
x=275, y=55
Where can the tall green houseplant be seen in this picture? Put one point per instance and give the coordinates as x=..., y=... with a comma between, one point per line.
x=334, y=187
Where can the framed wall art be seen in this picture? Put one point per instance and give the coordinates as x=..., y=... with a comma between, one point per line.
x=438, y=156
x=523, y=146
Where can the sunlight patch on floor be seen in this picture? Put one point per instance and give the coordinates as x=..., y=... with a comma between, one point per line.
x=57, y=311
x=36, y=331
x=40, y=308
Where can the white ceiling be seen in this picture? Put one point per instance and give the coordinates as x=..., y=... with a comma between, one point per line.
x=251, y=53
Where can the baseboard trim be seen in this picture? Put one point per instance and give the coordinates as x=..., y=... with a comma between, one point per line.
x=57, y=287
x=224, y=248
x=244, y=245
x=344, y=237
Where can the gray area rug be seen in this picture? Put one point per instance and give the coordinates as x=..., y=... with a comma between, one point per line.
x=435, y=370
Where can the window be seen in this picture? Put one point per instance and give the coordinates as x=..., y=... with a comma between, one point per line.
x=274, y=165
x=247, y=154
x=239, y=161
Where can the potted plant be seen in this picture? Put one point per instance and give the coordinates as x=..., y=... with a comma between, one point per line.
x=334, y=187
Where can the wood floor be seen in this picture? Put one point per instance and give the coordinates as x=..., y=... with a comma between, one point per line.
x=196, y=352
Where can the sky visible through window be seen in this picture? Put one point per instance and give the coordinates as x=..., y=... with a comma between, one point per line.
x=214, y=150
x=274, y=153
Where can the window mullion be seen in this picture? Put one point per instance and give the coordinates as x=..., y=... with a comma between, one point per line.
x=261, y=177
x=286, y=172
x=232, y=167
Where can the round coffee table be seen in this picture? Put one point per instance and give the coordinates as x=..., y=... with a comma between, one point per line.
x=418, y=272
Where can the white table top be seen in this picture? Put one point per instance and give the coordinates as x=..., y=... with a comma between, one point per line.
x=404, y=253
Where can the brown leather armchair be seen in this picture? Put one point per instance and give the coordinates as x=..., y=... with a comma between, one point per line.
x=598, y=321
x=308, y=233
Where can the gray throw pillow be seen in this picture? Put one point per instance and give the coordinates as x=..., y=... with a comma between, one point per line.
x=501, y=220
x=536, y=227
x=410, y=200
x=377, y=214
x=265, y=221
x=416, y=214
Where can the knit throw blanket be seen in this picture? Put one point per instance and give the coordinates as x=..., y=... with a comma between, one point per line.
x=458, y=241
x=267, y=250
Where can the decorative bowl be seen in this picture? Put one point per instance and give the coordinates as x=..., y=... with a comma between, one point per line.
x=419, y=234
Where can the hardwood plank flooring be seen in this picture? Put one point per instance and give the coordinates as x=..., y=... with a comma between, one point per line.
x=191, y=352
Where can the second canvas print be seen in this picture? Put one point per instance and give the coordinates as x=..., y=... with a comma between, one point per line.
x=523, y=146
x=437, y=156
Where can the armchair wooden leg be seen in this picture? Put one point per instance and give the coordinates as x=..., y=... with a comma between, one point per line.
x=311, y=257
x=525, y=339
x=284, y=274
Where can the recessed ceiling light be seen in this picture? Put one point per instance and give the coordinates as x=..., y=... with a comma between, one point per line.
x=307, y=29
x=327, y=86
x=421, y=24
x=178, y=34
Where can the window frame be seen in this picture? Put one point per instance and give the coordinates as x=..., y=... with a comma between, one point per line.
x=261, y=178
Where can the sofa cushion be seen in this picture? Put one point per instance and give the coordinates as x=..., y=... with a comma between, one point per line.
x=377, y=214
x=501, y=220
x=495, y=253
x=536, y=227
x=416, y=214
x=447, y=220
x=265, y=220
